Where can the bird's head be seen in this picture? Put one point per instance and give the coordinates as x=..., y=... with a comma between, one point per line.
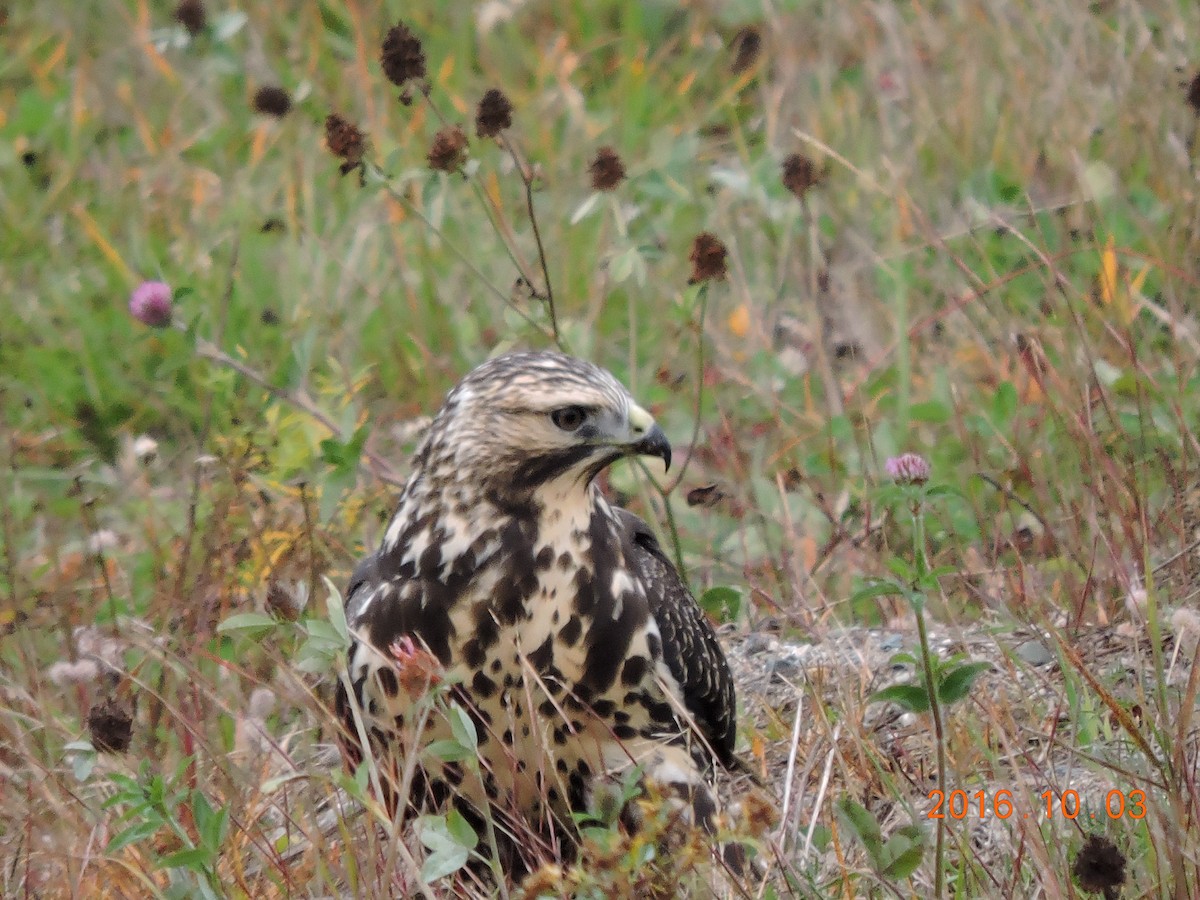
x=523, y=421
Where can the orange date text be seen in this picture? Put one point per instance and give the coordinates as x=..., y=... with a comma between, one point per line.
x=982, y=804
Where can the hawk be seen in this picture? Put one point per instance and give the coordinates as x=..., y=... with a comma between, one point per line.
x=571, y=639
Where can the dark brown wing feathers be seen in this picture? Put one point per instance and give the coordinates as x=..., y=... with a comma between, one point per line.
x=690, y=646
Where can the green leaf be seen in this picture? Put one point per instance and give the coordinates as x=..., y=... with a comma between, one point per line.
x=462, y=727
x=902, y=570
x=322, y=631
x=877, y=589
x=957, y=683
x=862, y=823
x=82, y=759
x=930, y=411
x=333, y=489
x=446, y=855
x=461, y=830
x=449, y=751
x=724, y=603
x=198, y=859
x=942, y=490
x=133, y=834
x=621, y=266
x=254, y=621
x=1004, y=403
x=337, y=611
x=910, y=696
x=904, y=849
x=941, y=572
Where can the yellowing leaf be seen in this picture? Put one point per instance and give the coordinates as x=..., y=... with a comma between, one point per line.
x=1108, y=271
x=97, y=237
x=492, y=186
x=739, y=321
x=1111, y=292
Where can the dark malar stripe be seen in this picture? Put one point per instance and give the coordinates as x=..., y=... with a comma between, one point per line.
x=538, y=470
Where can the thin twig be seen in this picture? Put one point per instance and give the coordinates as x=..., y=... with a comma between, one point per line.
x=791, y=763
x=97, y=553
x=664, y=492
x=526, y=172
x=702, y=299
x=508, y=240
x=458, y=252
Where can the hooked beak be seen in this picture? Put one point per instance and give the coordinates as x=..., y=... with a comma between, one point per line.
x=649, y=439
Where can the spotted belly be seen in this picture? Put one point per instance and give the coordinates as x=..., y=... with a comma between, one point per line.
x=545, y=734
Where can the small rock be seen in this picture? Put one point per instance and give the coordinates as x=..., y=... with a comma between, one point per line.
x=757, y=643
x=891, y=642
x=1034, y=652
x=784, y=668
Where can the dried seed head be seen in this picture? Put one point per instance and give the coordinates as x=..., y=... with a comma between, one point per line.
x=1193, y=94
x=416, y=668
x=402, y=56
x=191, y=15
x=494, y=114
x=546, y=880
x=908, y=468
x=344, y=140
x=286, y=601
x=708, y=495
x=799, y=174
x=606, y=169
x=1100, y=866
x=272, y=101
x=708, y=258
x=759, y=813
x=110, y=725
x=746, y=46
x=447, y=153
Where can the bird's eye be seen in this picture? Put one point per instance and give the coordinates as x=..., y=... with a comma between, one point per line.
x=569, y=418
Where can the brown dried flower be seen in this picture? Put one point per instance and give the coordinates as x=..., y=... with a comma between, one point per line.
x=799, y=174
x=283, y=600
x=1193, y=94
x=448, y=151
x=402, y=56
x=607, y=169
x=417, y=670
x=546, y=880
x=345, y=141
x=746, y=46
x=1100, y=866
x=759, y=813
x=272, y=101
x=110, y=725
x=708, y=495
x=191, y=15
x=494, y=114
x=708, y=258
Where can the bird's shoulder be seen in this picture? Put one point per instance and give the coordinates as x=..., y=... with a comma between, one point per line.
x=689, y=645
